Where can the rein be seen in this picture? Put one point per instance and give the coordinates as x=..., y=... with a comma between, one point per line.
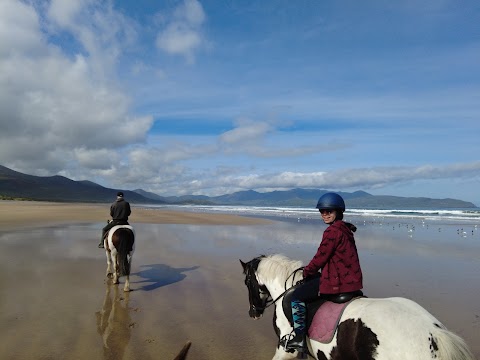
x=270, y=300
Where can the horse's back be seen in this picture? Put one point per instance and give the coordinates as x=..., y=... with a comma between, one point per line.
x=393, y=306
x=398, y=328
x=122, y=233
x=117, y=227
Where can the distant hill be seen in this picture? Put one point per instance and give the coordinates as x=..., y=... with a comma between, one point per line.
x=15, y=185
x=308, y=198
x=149, y=195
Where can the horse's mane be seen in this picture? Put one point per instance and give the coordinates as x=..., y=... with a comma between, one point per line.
x=277, y=266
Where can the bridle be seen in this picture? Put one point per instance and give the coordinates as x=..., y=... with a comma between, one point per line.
x=252, y=283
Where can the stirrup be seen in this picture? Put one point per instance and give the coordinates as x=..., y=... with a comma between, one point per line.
x=291, y=343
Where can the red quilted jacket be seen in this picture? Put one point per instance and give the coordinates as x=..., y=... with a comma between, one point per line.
x=337, y=257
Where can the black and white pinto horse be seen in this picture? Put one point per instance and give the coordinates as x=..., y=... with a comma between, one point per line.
x=377, y=329
x=119, y=248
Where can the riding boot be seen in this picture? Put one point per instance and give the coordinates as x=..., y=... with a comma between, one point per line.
x=298, y=342
x=101, y=246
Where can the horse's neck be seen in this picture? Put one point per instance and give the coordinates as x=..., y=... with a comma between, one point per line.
x=277, y=282
x=278, y=286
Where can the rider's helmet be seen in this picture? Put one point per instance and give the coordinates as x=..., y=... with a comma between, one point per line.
x=331, y=201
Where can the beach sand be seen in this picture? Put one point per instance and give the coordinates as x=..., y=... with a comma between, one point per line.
x=187, y=283
x=23, y=214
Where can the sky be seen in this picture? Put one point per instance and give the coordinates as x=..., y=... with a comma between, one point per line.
x=213, y=97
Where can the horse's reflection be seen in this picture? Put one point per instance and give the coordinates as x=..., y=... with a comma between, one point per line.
x=114, y=323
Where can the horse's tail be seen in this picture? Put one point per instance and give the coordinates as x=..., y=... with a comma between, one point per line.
x=126, y=238
x=450, y=346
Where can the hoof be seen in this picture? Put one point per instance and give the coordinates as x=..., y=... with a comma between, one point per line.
x=126, y=289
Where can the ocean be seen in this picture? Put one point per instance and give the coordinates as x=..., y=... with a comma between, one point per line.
x=452, y=232
x=460, y=216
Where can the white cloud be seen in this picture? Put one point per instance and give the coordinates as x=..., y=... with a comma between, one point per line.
x=183, y=33
x=19, y=29
x=179, y=39
x=52, y=103
x=354, y=179
x=192, y=11
x=246, y=131
x=101, y=32
x=63, y=12
x=101, y=159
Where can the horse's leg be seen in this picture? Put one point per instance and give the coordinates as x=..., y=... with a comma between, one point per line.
x=126, y=288
x=285, y=330
x=115, y=268
x=109, y=265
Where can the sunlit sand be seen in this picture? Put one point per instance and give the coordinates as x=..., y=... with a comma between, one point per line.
x=187, y=282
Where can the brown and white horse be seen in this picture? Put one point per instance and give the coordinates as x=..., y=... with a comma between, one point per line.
x=119, y=248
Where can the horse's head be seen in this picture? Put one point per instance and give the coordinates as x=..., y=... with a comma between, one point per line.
x=258, y=294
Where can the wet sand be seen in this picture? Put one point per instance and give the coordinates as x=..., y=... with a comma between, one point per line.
x=187, y=283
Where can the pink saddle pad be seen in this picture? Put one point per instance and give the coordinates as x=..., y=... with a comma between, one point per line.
x=325, y=321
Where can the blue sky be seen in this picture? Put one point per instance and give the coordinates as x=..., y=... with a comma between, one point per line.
x=212, y=97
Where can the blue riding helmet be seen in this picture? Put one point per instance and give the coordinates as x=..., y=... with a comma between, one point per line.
x=331, y=201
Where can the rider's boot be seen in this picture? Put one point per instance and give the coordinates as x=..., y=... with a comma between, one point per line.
x=100, y=245
x=298, y=342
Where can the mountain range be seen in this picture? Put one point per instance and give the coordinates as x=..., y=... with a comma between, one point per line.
x=16, y=185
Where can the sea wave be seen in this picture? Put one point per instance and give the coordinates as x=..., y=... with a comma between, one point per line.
x=467, y=215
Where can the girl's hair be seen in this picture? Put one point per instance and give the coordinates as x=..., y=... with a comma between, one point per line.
x=339, y=215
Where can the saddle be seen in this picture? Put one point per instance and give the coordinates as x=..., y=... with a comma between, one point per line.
x=123, y=225
x=105, y=236
x=323, y=314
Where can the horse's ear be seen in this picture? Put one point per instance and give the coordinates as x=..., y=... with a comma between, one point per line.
x=243, y=265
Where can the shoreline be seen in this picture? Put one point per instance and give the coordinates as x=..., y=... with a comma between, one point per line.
x=26, y=214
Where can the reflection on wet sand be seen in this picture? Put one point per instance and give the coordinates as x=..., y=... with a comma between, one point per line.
x=185, y=277
x=114, y=323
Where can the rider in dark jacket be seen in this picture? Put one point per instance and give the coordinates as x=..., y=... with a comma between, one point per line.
x=119, y=211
